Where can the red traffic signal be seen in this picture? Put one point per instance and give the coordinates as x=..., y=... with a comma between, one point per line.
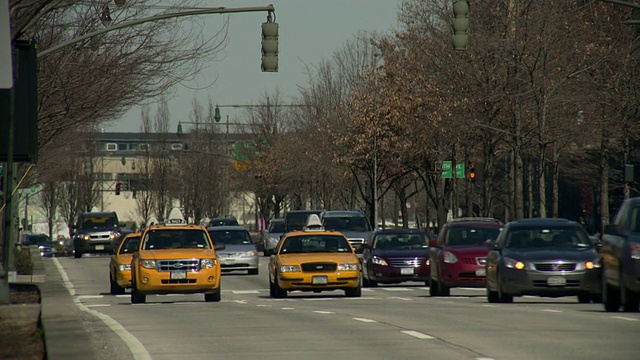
x=472, y=175
x=118, y=188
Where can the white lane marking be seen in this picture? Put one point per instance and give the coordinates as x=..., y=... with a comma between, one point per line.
x=417, y=334
x=624, y=318
x=400, y=298
x=551, y=310
x=239, y=301
x=240, y=292
x=288, y=308
x=82, y=297
x=366, y=289
x=138, y=350
x=123, y=296
x=98, y=305
x=365, y=320
x=472, y=289
x=318, y=299
x=396, y=289
x=484, y=359
x=323, y=312
x=361, y=298
x=264, y=305
x=490, y=305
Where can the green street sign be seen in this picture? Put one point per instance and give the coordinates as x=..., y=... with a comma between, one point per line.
x=27, y=191
x=447, y=169
x=460, y=170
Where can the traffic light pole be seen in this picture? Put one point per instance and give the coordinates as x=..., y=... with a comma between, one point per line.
x=7, y=244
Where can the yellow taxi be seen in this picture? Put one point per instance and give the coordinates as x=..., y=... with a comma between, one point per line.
x=120, y=264
x=175, y=258
x=314, y=260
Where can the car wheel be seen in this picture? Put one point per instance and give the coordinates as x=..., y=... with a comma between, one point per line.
x=213, y=297
x=443, y=290
x=77, y=254
x=492, y=296
x=433, y=287
x=276, y=291
x=354, y=292
x=502, y=297
x=596, y=298
x=136, y=296
x=584, y=298
x=610, y=296
x=272, y=289
x=253, y=271
x=115, y=289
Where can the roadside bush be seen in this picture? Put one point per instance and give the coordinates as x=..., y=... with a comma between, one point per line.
x=24, y=265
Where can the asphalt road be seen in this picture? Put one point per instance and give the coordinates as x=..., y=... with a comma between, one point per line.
x=388, y=322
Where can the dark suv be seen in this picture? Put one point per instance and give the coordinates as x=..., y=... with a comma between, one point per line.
x=96, y=232
x=458, y=257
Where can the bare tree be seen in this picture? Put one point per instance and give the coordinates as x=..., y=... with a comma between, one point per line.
x=49, y=201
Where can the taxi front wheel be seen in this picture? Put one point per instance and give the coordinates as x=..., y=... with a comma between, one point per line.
x=276, y=291
x=213, y=297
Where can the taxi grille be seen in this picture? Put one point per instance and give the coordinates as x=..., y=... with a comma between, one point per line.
x=319, y=267
x=556, y=267
x=192, y=265
x=405, y=262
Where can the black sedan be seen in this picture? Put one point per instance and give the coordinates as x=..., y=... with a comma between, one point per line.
x=394, y=256
x=545, y=257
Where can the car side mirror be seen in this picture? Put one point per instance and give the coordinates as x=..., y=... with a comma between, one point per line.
x=611, y=229
x=219, y=246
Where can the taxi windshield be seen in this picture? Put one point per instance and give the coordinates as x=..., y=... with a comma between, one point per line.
x=314, y=243
x=130, y=245
x=160, y=239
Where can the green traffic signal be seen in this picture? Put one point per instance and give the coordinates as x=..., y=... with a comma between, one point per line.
x=460, y=26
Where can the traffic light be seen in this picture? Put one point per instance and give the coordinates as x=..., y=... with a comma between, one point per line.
x=460, y=38
x=118, y=188
x=472, y=173
x=269, y=46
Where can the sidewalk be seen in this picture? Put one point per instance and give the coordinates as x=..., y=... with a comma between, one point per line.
x=65, y=335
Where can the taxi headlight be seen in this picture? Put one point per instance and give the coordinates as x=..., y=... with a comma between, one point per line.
x=347, y=267
x=289, y=268
x=123, y=267
x=207, y=263
x=149, y=264
x=379, y=261
x=251, y=253
x=513, y=264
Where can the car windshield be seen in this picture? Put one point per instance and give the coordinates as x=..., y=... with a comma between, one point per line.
x=276, y=227
x=315, y=243
x=176, y=239
x=230, y=237
x=99, y=222
x=470, y=235
x=400, y=242
x=36, y=240
x=346, y=223
x=130, y=245
x=547, y=238
x=223, y=222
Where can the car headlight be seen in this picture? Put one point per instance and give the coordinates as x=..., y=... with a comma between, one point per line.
x=347, y=267
x=251, y=253
x=113, y=235
x=149, y=264
x=379, y=261
x=289, y=268
x=513, y=264
x=449, y=257
x=589, y=265
x=83, y=237
x=207, y=263
x=124, y=267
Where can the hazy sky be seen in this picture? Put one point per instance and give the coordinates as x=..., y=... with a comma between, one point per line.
x=310, y=30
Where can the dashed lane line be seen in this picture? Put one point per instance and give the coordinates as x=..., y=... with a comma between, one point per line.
x=365, y=320
x=138, y=350
x=323, y=312
x=551, y=310
x=624, y=318
x=417, y=334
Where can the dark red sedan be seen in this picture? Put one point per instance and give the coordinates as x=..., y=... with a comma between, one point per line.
x=392, y=256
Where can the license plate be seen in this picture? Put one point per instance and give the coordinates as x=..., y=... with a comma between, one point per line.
x=319, y=280
x=556, y=281
x=178, y=275
x=406, y=271
x=99, y=247
x=481, y=272
x=228, y=261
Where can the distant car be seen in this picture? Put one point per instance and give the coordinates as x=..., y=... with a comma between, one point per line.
x=273, y=235
x=96, y=232
x=457, y=258
x=353, y=224
x=394, y=256
x=545, y=257
x=120, y=264
x=223, y=222
x=62, y=247
x=295, y=220
x=314, y=259
x=240, y=252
